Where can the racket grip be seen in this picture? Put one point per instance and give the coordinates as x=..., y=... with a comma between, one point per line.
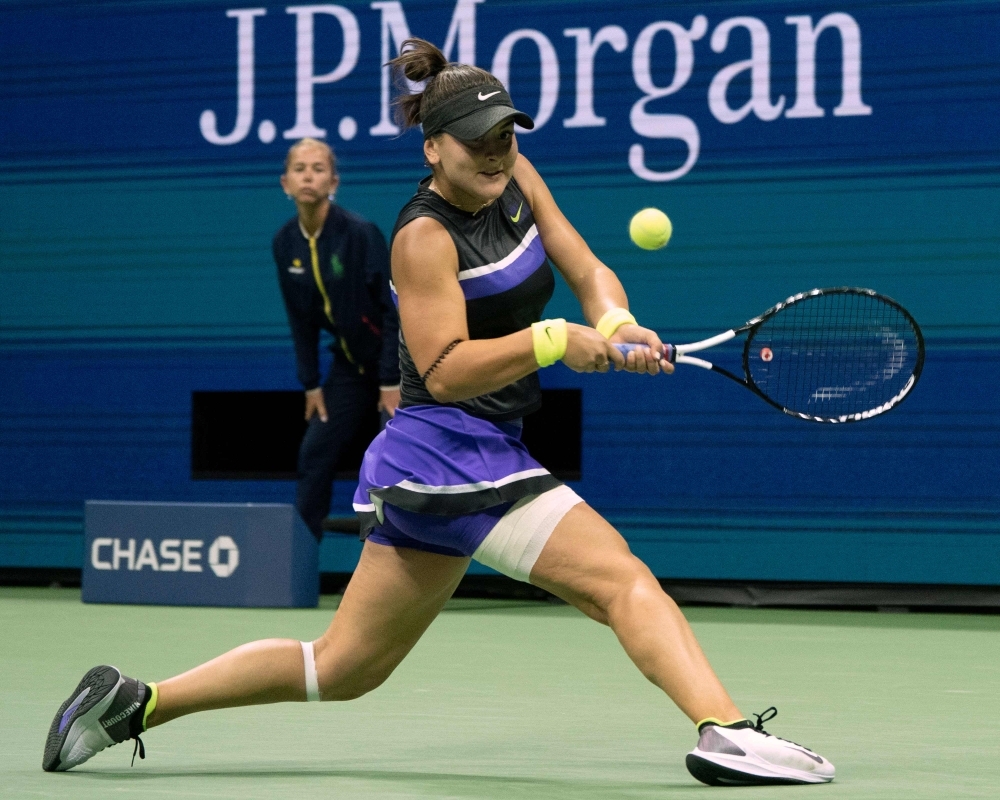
x=669, y=351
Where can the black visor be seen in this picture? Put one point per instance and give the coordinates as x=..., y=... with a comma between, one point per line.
x=473, y=112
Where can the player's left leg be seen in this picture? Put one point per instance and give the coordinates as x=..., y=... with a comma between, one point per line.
x=586, y=562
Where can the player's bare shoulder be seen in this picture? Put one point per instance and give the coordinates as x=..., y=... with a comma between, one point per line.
x=528, y=179
x=421, y=250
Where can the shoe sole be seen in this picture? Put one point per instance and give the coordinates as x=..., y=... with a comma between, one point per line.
x=737, y=773
x=100, y=685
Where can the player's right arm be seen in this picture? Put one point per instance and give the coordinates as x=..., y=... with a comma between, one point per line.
x=432, y=316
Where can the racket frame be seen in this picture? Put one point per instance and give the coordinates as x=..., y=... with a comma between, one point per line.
x=677, y=354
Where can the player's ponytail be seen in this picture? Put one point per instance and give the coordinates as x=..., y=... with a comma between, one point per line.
x=419, y=60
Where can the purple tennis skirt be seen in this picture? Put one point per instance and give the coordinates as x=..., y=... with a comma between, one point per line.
x=439, y=479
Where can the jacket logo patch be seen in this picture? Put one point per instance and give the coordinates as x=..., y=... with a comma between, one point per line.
x=296, y=268
x=336, y=266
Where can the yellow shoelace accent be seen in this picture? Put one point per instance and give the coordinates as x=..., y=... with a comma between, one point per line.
x=154, y=693
x=718, y=722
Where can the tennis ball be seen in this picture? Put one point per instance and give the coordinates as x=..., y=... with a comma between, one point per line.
x=650, y=229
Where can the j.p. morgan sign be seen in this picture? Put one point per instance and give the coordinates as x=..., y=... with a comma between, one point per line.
x=659, y=57
x=199, y=554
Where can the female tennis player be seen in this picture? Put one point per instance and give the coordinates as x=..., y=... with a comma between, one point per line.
x=448, y=479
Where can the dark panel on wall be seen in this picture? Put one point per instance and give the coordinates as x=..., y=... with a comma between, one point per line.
x=553, y=433
x=256, y=435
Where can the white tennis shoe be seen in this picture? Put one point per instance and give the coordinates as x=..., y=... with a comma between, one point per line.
x=744, y=754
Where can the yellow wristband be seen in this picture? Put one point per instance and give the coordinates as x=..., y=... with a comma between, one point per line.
x=613, y=320
x=549, y=338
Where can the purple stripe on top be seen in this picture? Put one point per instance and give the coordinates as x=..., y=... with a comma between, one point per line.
x=506, y=273
x=501, y=275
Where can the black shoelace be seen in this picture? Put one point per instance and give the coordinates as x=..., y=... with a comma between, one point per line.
x=767, y=715
x=140, y=748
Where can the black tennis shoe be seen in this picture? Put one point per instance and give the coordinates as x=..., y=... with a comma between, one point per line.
x=105, y=709
x=744, y=754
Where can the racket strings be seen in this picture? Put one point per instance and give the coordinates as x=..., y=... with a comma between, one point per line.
x=834, y=354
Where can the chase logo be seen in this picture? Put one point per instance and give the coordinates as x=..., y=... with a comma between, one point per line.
x=173, y=555
x=223, y=556
x=296, y=268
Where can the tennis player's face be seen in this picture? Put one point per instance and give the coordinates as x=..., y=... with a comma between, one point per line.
x=309, y=178
x=476, y=172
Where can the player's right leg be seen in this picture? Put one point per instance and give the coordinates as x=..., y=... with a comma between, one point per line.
x=392, y=598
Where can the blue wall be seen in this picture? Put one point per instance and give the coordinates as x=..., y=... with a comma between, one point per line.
x=135, y=266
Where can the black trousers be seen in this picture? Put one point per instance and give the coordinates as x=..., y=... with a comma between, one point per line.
x=349, y=398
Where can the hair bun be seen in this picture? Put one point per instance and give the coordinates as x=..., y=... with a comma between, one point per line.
x=420, y=60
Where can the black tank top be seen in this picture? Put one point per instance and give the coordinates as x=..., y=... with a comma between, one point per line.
x=506, y=279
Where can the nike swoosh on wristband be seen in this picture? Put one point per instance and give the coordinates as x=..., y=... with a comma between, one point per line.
x=548, y=332
x=482, y=96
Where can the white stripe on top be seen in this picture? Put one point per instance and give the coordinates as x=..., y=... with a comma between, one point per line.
x=509, y=259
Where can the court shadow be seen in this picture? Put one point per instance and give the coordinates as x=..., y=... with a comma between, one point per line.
x=449, y=783
x=844, y=619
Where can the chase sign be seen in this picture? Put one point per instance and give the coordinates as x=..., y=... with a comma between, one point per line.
x=198, y=554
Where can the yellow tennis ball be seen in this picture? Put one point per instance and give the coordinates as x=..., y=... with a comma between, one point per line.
x=650, y=229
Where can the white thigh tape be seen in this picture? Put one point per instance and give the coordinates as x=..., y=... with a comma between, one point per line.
x=312, y=681
x=516, y=541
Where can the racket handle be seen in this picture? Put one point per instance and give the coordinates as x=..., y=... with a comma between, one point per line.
x=669, y=351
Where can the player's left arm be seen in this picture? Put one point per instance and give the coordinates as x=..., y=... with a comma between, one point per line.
x=595, y=285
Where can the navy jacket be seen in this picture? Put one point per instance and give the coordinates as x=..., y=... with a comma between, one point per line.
x=350, y=298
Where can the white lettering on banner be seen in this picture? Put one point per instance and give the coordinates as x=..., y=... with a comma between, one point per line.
x=851, y=104
x=586, y=49
x=147, y=557
x=460, y=45
x=170, y=557
x=95, y=554
x=224, y=544
x=305, y=79
x=549, y=93
x=244, y=82
x=118, y=553
x=191, y=550
x=461, y=32
x=175, y=555
x=664, y=126
x=759, y=65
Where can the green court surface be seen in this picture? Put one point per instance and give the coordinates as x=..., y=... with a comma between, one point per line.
x=514, y=700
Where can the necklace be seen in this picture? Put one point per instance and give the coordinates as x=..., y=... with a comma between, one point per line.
x=433, y=187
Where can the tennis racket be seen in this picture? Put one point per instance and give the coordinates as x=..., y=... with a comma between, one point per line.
x=828, y=355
